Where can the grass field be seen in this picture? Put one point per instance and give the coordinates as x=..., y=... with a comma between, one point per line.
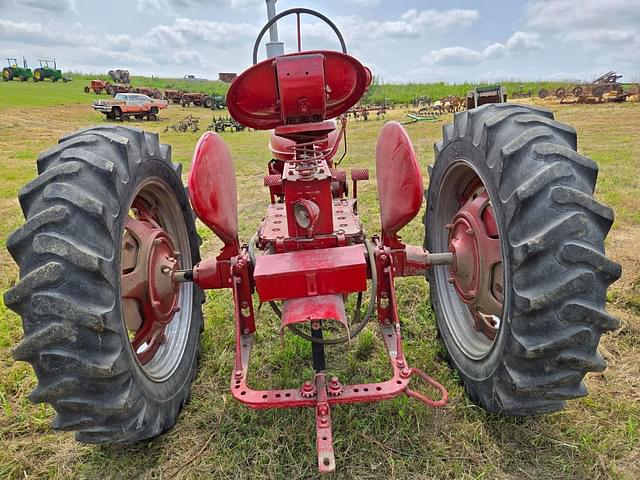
x=595, y=437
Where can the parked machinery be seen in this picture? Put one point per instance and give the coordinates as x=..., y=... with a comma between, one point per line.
x=607, y=83
x=14, y=71
x=119, y=76
x=197, y=99
x=98, y=86
x=48, y=70
x=111, y=280
x=487, y=94
x=151, y=92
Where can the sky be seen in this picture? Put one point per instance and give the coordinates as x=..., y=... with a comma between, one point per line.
x=401, y=41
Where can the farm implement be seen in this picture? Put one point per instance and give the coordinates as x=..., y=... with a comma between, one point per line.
x=111, y=279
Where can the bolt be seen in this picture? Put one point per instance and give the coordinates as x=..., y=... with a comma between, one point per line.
x=307, y=386
x=405, y=373
x=176, y=309
x=238, y=374
x=451, y=279
x=323, y=411
x=315, y=325
x=245, y=331
x=449, y=226
x=386, y=321
x=165, y=270
x=400, y=363
x=162, y=339
x=177, y=254
x=470, y=231
x=383, y=258
x=157, y=241
x=155, y=304
x=384, y=294
x=244, y=304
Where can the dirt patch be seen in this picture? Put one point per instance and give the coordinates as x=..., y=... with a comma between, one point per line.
x=622, y=246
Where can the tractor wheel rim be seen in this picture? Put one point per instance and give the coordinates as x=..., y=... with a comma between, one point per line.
x=472, y=288
x=156, y=309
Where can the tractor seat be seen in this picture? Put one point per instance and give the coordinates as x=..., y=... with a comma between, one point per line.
x=299, y=88
x=285, y=137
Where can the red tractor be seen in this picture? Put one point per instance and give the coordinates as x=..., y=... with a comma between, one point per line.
x=98, y=86
x=111, y=280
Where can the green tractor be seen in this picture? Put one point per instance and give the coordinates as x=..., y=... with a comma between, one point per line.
x=15, y=71
x=48, y=69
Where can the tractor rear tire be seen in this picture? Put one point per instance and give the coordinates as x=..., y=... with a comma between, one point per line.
x=543, y=93
x=87, y=89
x=207, y=102
x=69, y=293
x=7, y=74
x=556, y=275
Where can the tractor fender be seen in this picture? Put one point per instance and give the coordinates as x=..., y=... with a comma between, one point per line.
x=400, y=187
x=212, y=187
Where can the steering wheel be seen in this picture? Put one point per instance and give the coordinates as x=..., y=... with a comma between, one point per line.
x=297, y=12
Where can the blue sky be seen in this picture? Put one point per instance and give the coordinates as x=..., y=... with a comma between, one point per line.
x=452, y=41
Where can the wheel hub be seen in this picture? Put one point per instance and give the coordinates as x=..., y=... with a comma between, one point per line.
x=150, y=293
x=476, y=272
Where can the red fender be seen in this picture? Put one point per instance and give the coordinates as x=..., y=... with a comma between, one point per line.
x=212, y=187
x=400, y=188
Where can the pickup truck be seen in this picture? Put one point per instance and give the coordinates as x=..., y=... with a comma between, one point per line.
x=125, y=105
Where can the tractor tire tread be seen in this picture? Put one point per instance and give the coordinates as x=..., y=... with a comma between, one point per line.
x=66, y=253
x=555, y=230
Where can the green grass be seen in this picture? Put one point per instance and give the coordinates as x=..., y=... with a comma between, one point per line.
x=216, y=437
x=41, y=94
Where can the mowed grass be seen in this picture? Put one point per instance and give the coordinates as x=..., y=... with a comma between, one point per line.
x=216, y=437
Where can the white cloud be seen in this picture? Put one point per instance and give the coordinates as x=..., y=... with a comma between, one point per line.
x=196, y=32
x=518, y=43
x=523, y=41
x=365, y=3
x=412, y=24
x=591, y=23
x=178, y=6
x=50, y=6
x=38, y=34
x=440, y=20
